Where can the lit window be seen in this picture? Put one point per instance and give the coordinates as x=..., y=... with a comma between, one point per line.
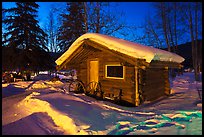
x=115, y=71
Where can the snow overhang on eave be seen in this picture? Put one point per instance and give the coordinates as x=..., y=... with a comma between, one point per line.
x=134, y=50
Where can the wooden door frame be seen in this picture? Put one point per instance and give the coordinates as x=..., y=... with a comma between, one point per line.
x=88, y=68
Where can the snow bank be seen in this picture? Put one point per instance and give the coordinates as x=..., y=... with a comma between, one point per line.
x=80, y=114
x=126, y=111
x=5, y=85
x=42, y=84
x=156, y=124
x=32, y=105
x=126, y=47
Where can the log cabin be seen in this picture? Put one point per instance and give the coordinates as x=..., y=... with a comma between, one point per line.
x=133, y=72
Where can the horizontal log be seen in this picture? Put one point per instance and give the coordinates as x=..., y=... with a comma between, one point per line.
x=127, y=91
x=155, y=81
x=120, y=82
x=128, y=100
x=83, y=72
x=109, y=59
x=153, y=91
x=154, y=94
x=157, y=94
x=153, y=86
x=124, y=87
x=152, y=77
x=131, y=73
x=163, y=64
x=158, y=72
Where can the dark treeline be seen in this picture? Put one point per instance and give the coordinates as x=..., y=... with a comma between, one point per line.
x=171, y=24
x=24, y=42
x=175, y=23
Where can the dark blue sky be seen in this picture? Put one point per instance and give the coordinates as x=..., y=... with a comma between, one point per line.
x=134, y=12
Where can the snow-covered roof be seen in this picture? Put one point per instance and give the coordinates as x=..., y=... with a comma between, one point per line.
x=123, y=46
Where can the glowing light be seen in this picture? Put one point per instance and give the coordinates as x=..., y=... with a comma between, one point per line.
x=32, y=105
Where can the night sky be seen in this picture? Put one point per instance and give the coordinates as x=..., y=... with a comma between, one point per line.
x=134, y=12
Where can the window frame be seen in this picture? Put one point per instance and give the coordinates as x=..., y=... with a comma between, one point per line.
x=106, y=66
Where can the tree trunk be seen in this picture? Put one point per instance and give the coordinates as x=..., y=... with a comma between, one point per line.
x=171, y=35
x=196, y=43
x=192, y=41
x=85, y=17
x=175, y=25
x=98, y=17
x=164, y=24
x=152, y=29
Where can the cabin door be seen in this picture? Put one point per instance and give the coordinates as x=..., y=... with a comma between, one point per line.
x=93, y=70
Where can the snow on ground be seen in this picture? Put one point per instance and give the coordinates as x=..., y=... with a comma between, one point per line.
x=42, y=107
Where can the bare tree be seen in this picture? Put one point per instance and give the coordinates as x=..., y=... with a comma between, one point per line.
x=150, y=29
x=175, y=24
x=164, y=24
x=53, y=21
x=97, y=10
x=192, y=19
x=99, y=18
x=167, y=24
x=197, y=62
x=170, y=28
x=52, y=32
x=85, y=16
x=158, y=30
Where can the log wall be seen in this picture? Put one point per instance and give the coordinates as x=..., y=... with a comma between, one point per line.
x=156, y=83
x=109, y=85
x=152, y=82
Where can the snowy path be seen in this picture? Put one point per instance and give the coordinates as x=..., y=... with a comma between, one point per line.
x=48, y=111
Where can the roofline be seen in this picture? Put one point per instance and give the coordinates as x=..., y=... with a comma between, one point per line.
x=120, y=45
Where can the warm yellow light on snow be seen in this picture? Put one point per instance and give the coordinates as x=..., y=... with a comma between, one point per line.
x=33, y=105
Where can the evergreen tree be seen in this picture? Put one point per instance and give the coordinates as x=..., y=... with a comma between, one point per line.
x=72, y=24
x=25, y=37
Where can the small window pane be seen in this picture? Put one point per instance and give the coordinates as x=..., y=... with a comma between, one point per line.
x=115, y=71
